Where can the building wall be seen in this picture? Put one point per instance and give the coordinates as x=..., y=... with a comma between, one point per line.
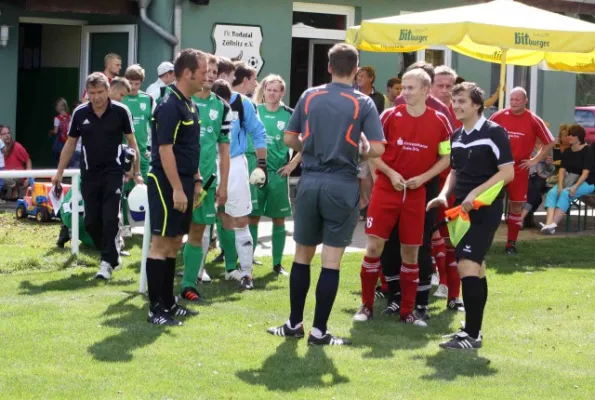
x=556, y=98
x=8, y=68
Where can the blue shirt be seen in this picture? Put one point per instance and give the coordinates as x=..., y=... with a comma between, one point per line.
x=251, y=124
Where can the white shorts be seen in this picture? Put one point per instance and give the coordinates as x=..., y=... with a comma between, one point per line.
x=239, y=200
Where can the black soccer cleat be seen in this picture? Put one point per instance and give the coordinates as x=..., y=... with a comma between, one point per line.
x=158, y=316
x=191, y=294
x=327, y=340
x=279, y=270
x=379, y=293
x=455, y=305
x=246, y=283
x=286, y=331
x=511, y=249
x=393, y=308
x=180, y=311
x=64, y=237
x=462, y=341
x=422, y=312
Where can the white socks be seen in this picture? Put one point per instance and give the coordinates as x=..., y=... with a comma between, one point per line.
x=244, y=249
x=206, y=241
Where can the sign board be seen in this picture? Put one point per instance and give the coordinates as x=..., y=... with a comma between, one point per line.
x=239, y=42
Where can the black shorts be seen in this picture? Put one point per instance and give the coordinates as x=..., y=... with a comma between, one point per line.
x=484, y=223
x=165, y=220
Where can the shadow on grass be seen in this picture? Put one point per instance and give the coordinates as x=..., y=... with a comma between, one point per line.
x=287, y=372
x=448, y=365
x=79, y=281
x=135, y=332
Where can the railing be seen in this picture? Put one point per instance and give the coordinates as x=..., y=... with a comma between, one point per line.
x=48, y=173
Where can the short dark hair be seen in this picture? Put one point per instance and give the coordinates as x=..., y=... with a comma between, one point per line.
x=97, y=79
x=392, y=82
x=426, y=66
x=459, y=79
x=343, y=59
x=578, y=131
x=368, y=69
x=242, y=71
x=188, y=59
x=222, y=89
x=225, y=66
x=475, y=93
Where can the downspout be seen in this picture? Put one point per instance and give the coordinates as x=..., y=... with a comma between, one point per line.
x=178, y=26
x=171, y=39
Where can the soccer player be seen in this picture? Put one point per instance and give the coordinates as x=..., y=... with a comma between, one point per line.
x=174, y=182
x=524, y=128
x=119, y=88
x=416, y=136
x=101, y=124
x=112, y=63
x=273, y=200
x=328, y=193
x=481, y=157
x=140, y=105
x=215, y=122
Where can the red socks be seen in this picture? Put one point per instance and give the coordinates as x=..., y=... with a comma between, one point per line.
x=383, y=284
x=439, y=254
x=369, y=276
x=452, y=274
x=514, y=227
x=409, y=283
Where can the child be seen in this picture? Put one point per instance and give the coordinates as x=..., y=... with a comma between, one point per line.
x=60, y=131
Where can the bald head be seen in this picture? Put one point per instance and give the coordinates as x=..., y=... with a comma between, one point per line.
x=518, y=100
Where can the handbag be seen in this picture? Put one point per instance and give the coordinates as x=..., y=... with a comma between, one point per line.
x=569, y=180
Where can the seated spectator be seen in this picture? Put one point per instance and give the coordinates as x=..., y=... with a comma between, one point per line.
x=561, y=144
x=538, y=176
x=16, y=158
x=576, y=178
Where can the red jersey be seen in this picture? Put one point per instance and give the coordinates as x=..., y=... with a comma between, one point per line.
x=523, y=130
x=413, y=143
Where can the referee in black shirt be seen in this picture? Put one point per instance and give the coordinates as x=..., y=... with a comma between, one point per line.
x=480, y=158
x=174, y=182
x=101, y=124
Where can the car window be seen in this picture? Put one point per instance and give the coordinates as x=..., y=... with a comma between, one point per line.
x=586, y=118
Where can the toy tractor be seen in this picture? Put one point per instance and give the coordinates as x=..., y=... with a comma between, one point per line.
x=37, y=202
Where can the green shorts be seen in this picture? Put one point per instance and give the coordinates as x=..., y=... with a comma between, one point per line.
x=273, y=199
x=252, y=163
x=205, y=214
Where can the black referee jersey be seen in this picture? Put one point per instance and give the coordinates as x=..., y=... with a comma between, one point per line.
x=477, y=155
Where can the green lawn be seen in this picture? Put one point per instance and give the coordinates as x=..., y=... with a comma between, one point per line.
x=67, y=336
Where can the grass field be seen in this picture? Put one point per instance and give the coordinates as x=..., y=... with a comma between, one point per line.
x=67, y=336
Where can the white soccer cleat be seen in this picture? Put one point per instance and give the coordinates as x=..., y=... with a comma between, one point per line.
x=205, y=278
x=105, y=271
x=441, y=292
x=235, y=275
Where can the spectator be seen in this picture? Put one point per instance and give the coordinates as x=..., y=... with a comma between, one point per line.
x=16, y=158
x=575, y=179
x=393, y=90
x=365, y=83
x=538, y=176
x=165, y=72
x=61, y=123
x=561, y=144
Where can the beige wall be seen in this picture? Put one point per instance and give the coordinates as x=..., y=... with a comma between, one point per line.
x=60, y=46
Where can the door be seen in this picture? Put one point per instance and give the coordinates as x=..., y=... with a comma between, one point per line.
x=99, y=40
x=318, y=61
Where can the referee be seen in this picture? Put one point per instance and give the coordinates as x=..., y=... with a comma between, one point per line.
x=328, y=193
x=480, y=158
x=174, y=183
x=101, y=124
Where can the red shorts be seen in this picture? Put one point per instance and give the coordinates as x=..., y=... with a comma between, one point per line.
x=388, y=208
x=440, y=216
x=517, y=189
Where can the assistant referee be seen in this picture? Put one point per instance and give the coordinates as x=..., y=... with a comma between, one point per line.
x=480, y=158
x=174, y=183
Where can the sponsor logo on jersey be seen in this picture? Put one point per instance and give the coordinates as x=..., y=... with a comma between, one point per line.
x=280, y=125
x=86, y=122
x=278, y=137
x=213, y=114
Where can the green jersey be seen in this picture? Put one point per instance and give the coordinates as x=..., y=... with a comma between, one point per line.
x=141, y=108
x=215, y=123
x=275, y=123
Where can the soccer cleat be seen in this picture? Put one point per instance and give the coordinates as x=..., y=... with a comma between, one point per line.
x=256, y=262
x=246, y=283
x=414, y=318
x=220, y=258
x=126, y=231
x=204, y=277
x=391, y=309
x=462, y=341
x=422, y=312
x=511, y=250
x=327, y=339
x=180, y=311
x=441, y=291
x=364, y=314
x=435, y=279
x=105, y=271
x=285, y=331
x=455, y=305
x=379, y=293
x=191, y=294
x=280, y=270
x=157, y=316
x=235, y=275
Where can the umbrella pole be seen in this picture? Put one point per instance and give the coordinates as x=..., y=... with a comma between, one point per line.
x=502, y=79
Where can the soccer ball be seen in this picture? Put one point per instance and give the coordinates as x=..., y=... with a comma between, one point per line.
x=253, y=62
x=257, y=177
x=138, y=202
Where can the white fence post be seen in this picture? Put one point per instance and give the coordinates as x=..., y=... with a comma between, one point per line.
x=74, y=240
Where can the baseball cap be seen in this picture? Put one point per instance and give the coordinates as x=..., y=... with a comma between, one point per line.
x=164, y=68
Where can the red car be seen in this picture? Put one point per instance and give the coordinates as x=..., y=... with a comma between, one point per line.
x=585, y=116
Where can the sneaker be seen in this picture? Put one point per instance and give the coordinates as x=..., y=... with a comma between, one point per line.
x=256, y=262
x=462, y=341
x=191, y=294
x=157, y=316
x=452, y=335
x=180, y=311
x=327, y=339
x=456, y=305
x=511, y=250
x=414, y=318
x=105, y=271
x=364, y=314
x=285, y=331
x=379, y=293
x=126, y=231
x=220, y=258
x=435, y=279
x=441, y=292
x=423, y=312
x=204, y=277
x=246, y=283
x=280, y=270
x=235, y=275
x=392, y=309
x=548, y=229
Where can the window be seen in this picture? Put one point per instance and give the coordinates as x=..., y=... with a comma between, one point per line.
x=585, y=118
x=321, y=21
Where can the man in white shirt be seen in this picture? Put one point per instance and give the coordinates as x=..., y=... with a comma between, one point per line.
x=165, y=71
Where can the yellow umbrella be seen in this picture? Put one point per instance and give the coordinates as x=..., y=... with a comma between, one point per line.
x=498, y=31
